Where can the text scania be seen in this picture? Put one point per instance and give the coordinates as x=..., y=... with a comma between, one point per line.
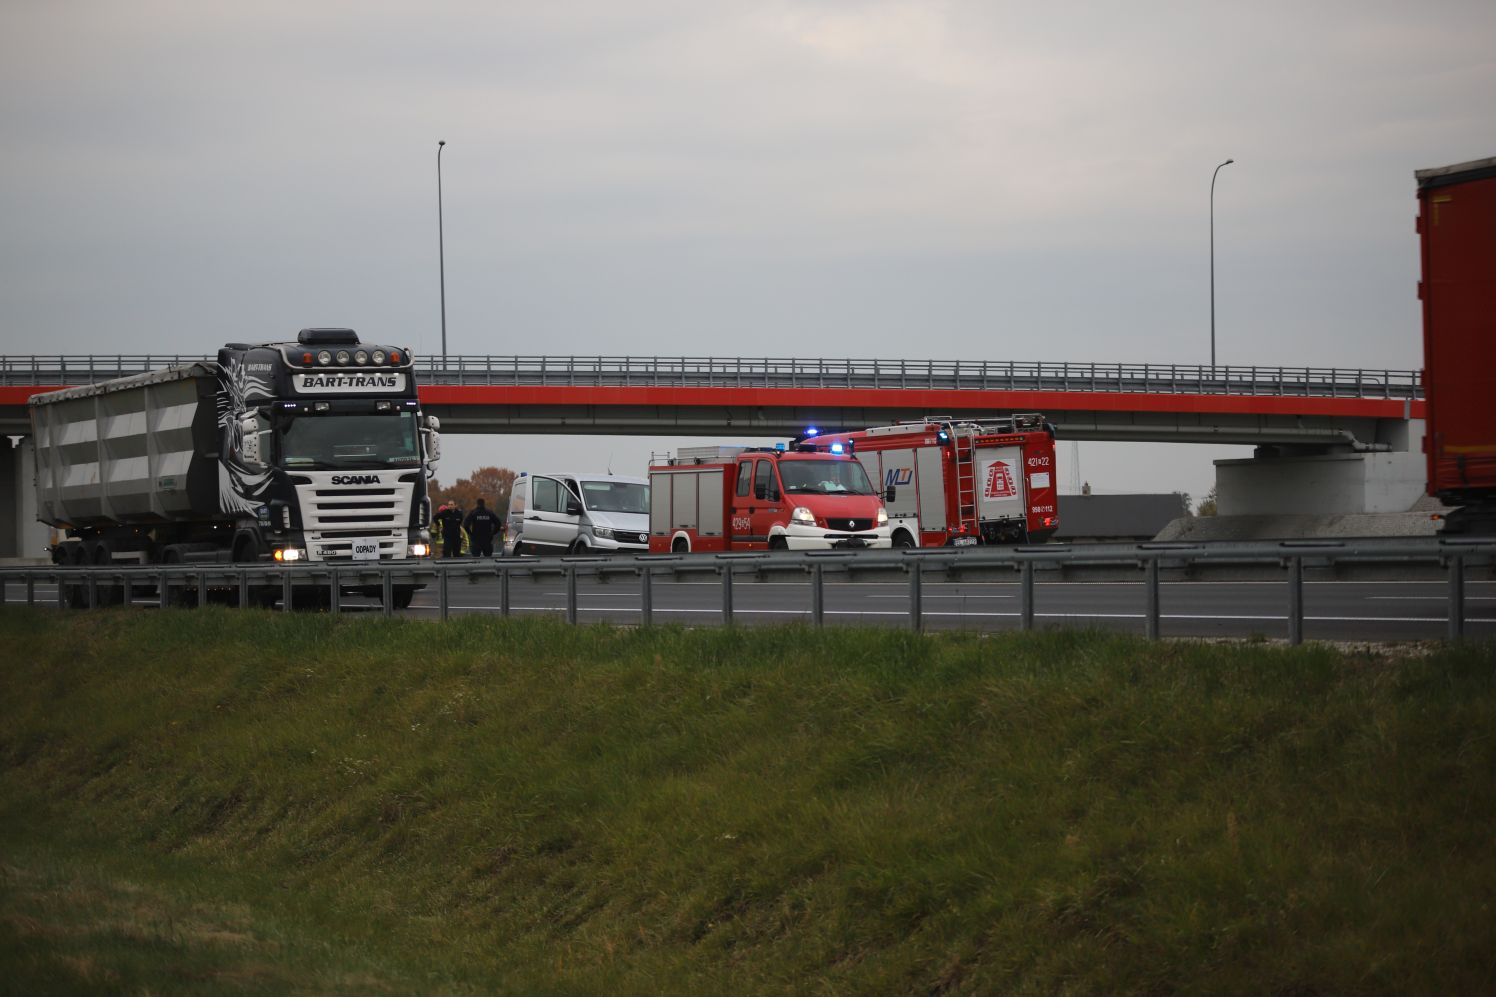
x=355, y=479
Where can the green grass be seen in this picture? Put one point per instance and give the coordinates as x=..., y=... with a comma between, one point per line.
x=221, y=800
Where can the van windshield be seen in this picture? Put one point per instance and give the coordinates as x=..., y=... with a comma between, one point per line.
x=824, y=477
x=615, y=496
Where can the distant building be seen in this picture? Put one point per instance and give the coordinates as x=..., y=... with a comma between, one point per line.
x=1085, y=518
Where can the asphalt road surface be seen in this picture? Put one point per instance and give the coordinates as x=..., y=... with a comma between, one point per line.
x=1334, y=610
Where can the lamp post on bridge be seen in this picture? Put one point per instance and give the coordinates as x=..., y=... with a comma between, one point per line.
x=1213, y=265
x=441, y=248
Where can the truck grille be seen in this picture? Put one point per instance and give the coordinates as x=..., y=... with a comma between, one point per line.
x=350, y=508
x=849, y=525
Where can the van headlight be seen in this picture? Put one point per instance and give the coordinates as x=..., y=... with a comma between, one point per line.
x=603, y=533
x=882, y=516
x=803, y=516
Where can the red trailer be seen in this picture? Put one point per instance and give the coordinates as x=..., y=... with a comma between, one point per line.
x=954, y=482
x=1457, y=226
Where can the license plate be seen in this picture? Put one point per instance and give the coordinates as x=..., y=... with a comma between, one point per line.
x=964, y=542
x=366, y=550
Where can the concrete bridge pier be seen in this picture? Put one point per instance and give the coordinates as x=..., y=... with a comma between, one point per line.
x=21, y=536
x=1289, y=480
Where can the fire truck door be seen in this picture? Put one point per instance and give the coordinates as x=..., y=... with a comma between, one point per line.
x=999, y=483
x=755, y=512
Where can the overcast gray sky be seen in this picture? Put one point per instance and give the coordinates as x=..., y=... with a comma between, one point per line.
x=893, y=179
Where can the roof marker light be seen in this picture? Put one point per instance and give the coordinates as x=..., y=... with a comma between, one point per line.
x=394, y=356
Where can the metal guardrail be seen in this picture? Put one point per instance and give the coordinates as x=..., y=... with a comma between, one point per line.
x=773, y=372
x=1290, y=560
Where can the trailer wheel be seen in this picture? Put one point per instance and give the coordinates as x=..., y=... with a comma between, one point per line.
x=247, y=551
x=75, y=596
x=103, y=557
x=902, y=540
x=185, y=596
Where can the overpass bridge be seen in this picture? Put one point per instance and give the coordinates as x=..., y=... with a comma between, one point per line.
x=1330, y=440
x=765, y=396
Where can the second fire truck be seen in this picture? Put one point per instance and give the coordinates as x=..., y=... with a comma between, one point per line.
x=958, y=482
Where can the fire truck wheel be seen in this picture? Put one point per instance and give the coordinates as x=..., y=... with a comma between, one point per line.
x=680, y=546
x=902, y=540
x=778, y=543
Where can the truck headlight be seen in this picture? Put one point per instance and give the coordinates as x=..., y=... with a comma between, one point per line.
x=882, y=516
x=288, y=554
x=803, y=516
x=420, y=550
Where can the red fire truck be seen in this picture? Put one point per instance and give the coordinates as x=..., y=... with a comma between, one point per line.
x=959, y=481
x=807, y=496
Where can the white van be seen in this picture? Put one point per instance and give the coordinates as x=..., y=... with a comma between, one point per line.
x=578, y=513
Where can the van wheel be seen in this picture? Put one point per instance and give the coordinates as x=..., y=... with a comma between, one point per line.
x=680, y=545
x=577, y=548
x=902, y=540
x=520, y=549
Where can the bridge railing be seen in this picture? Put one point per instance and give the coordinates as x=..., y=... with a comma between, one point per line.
x=803, y=372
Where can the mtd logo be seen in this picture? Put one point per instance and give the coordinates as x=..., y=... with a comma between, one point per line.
x=999, y=483
x=898, y=476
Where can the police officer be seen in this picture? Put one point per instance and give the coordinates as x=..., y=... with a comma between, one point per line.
x=450, y=518
x=481, y=525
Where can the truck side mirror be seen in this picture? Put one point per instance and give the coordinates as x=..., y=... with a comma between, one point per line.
x=249, y=440
x=888, y=496
x=433, y=446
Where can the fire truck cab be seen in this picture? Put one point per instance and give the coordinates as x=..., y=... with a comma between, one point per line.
x=805, y=496
x=959, y=482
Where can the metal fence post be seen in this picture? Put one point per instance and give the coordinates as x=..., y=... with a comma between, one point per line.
x=571, y=593
x=726, y=570
x=1295, y=600
x=62, y=591
x=335, y=592
x=30, y=589
x=127, y=590
x=441, y=594
x=163, y=589
x=1456, y=598
x=646, y=597
x=202, y=588
x=916, y=598
x=503, y=590
x=387, y=592
x=287, y=596
x=1026, y=597
x=1150, y=582
x=818, y=595
x=93, y=589
x=243, y=588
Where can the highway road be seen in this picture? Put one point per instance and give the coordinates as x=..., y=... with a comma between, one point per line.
x=1334, y=610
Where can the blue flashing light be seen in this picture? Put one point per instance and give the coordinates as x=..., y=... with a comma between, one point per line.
x=812, y=431
x=943, y=436
x=779, y=446
x=837, y=448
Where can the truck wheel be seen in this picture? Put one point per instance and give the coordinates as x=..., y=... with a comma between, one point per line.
x=247, y=551
x=401, y=596
x=103, y=557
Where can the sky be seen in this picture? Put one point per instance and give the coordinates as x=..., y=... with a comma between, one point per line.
x=910, y=180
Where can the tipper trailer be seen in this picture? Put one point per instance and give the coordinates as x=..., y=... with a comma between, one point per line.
x=958, y=482
x=739, y=498
x=1457, y=234
x=312, y=451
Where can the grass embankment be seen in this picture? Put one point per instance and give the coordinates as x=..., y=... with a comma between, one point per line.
x=216, y=800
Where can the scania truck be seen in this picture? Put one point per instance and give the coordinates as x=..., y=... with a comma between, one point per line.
x=803, y=496
x=314, y=451
x=962, y=482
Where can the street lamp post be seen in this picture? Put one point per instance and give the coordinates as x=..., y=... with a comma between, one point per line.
x=1213, y=266
x=441, y=249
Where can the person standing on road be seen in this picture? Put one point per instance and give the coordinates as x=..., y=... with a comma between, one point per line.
x=481, y=525
x=450, y=518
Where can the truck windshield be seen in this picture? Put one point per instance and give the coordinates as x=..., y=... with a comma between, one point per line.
x=824, y=477
x=334, y=441
x=615, y=496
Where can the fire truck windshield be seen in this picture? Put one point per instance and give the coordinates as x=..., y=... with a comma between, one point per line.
x=824, y=477
x=338, y=441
